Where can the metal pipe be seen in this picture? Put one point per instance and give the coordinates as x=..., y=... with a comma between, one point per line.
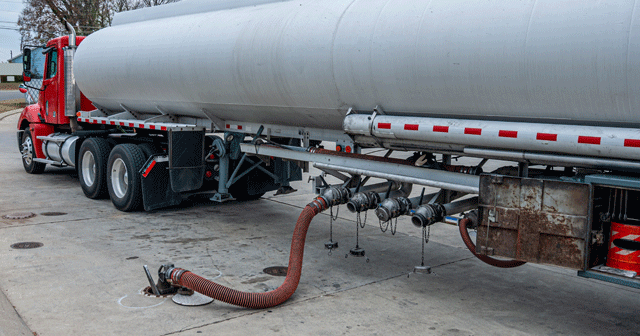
x=375, y=168
x=72, y=97
x=460, y=206
x=446, y=180
x=553, y=159
x=72, y=35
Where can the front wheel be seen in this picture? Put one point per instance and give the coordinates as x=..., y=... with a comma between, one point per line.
x=28, y=154
x=123, y=177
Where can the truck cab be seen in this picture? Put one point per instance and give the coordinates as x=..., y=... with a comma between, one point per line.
x=50, y=114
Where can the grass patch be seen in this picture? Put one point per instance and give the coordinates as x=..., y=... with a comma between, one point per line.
x=9, y=86
x=12, y=104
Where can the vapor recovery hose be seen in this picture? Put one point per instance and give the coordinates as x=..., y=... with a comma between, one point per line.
x=259, y=300
x=462, y=225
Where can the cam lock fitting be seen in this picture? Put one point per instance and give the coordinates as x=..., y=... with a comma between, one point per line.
x=428, y=214
x=336, y=196
x=393, y=207
x=363, y=201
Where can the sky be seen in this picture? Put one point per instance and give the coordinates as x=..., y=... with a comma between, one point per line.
x=9, y=36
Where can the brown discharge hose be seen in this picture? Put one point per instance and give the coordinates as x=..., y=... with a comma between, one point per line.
x=259, y=300
x=462, y=225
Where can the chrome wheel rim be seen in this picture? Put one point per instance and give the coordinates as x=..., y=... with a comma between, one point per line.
x=119, y=178
x=27, y=150
x=89, y=168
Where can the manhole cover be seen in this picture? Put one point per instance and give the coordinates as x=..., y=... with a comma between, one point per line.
x=19, y=215
x=53, y=213
x=276, y=270
x=26, y=245
x=195, y=299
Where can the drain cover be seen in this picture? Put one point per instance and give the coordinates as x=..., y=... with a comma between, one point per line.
x=276, y=270
x=26, y=245
x=19, y=215
x=53, y=213
x=195, y=299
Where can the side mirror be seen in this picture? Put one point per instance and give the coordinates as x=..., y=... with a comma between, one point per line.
x=22, y=88
x=26, y=64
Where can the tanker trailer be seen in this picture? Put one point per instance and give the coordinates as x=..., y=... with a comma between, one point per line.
x=551, y=87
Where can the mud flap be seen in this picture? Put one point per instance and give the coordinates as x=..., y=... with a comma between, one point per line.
x=20, y=132
x=186, y=159
x=156, y=192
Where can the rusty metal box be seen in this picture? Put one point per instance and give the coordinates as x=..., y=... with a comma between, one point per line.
x=534, y=220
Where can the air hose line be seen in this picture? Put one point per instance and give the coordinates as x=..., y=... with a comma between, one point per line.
x=259, y=300
x=462, y=225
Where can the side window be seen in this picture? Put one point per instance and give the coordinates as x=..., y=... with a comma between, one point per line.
x=52, y=64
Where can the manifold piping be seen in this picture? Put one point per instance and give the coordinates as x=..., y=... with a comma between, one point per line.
x=259, y=300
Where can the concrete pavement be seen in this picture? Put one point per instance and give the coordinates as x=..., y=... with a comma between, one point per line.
x=87, y=277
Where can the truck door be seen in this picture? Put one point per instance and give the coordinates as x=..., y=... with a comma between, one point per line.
x=51, y=84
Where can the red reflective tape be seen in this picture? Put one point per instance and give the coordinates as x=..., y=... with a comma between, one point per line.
x=152, y=126
x=239, y=127
x=631, y=143
x=384, y=125
x=130, y=124
x=547, y=137
x=104, y=122
x=508, y=134
x=473, y=131
x=589, y=140
x=411, y=127
x=94, y=121
x=112, y=122
x=443, y=129
x=228, y=126
x=121, y=123
x=146, y=172
x=163, y=128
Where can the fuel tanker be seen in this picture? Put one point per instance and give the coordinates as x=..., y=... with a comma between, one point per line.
x=305, y=63
x=236, y=98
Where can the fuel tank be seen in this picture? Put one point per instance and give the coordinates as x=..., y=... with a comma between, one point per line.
x=305, y=63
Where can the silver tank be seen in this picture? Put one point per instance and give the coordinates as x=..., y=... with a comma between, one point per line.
x=304, y=63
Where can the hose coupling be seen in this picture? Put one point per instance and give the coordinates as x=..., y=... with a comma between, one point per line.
x=428, y=214
x=393, y=207
x=336, y=196
x=363, y=201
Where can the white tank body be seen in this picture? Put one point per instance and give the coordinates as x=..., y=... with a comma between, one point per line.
x=304, y=63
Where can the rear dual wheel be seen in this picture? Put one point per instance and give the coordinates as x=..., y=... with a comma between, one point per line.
x=124, y=181
x=92, y=167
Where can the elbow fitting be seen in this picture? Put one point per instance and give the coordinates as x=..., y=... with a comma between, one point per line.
x=392, y=208
x=363, y=201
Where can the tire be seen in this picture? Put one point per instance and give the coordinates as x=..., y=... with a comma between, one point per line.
x=149, y=149
x=92, y=167
x=123, y=177
x=28, y=154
